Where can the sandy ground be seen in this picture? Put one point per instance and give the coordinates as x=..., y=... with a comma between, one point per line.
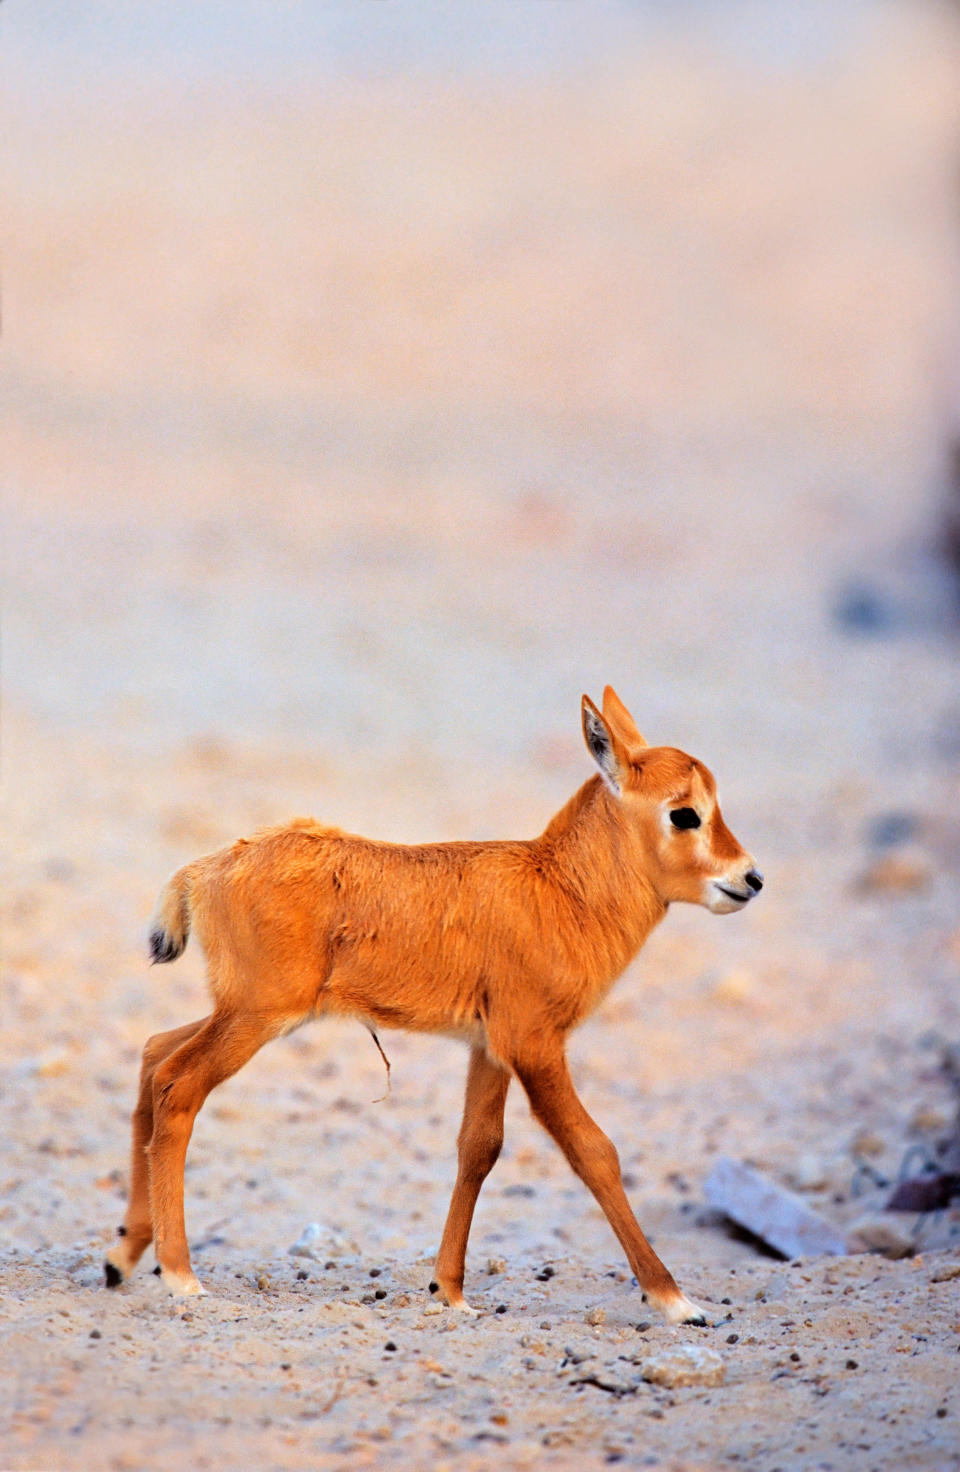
x=353, y=426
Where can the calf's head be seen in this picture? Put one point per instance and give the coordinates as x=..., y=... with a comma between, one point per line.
x=670, y=799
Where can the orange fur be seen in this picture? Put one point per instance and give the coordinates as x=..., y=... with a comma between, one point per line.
x=507, y=945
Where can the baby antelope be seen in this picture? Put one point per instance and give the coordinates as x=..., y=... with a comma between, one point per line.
x=507, y=945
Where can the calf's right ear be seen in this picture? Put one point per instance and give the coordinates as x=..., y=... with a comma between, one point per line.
x=605, y=748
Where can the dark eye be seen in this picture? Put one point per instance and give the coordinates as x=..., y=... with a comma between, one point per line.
x=684, y=818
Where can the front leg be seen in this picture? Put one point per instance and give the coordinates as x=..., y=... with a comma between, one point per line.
x=554, y=1101
x=478, y=1145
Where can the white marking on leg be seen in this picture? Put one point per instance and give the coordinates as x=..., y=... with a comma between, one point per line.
x=183, y=1285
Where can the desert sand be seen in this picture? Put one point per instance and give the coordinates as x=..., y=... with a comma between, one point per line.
x=364, y=402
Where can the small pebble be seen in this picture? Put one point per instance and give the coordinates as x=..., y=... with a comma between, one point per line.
x=380, y=1293
x=596, y=1316
x=390, y=1346
x=501, y=1308
x=686, y=1364
x=95, y=1334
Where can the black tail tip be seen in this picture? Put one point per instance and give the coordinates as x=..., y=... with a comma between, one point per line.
x=163, y=948
x=113, y=1275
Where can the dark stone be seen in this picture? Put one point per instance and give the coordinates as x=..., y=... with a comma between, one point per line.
x=860, y=609
x=925, y=1193
x=888, y=829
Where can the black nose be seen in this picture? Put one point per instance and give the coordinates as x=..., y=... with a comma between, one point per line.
x=755, y=880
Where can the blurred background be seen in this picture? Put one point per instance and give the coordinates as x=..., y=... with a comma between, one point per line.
x=376, y=378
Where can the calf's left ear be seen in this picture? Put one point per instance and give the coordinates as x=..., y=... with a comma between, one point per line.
x=619, y=719
x=604, y=746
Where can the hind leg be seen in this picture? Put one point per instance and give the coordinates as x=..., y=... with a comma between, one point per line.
x=181, y=1083
x=136, y=1233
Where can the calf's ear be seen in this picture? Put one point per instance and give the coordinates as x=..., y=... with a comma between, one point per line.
x=619, y=719
x=604, y=746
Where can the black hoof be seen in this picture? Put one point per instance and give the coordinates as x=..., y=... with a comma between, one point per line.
x=434, y=1287
x=113, y=1275
x=157, y=1271
x=698, y=1321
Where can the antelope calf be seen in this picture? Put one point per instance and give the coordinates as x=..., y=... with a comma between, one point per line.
x=507, y=945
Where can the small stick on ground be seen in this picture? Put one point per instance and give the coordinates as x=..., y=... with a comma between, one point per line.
x=386, y=1063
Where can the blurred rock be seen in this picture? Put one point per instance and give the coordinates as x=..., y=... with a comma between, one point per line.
x=867, y=1142
x=878, y=1232
x=886, y=830
x=809, y=1173
x=54, y=1063
x=927, y=1119
x=930, y=1192
x=903, y=871
x=734, y=986
x=862, y=609
x=775, y=1215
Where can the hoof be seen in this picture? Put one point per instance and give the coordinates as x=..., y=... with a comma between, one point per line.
x=453, y=1298
x=456, y=1301
x=117, y=1266
x=682, y=1310
x=182, y=1285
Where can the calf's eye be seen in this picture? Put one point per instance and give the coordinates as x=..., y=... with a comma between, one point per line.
x=684, y=818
